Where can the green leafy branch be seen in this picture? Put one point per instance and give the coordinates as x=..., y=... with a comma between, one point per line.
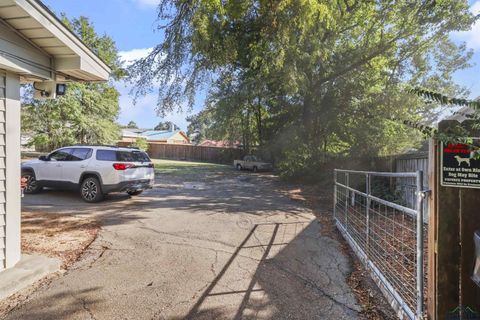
x=432, y=96
x=426, y=130
x=455, y=134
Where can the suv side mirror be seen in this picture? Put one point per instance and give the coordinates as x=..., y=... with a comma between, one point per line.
x=43, y=158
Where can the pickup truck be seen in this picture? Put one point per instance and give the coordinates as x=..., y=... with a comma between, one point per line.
x=252, y=163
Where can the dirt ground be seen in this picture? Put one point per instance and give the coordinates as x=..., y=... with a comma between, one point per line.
x=60, y=236
x=206, y=243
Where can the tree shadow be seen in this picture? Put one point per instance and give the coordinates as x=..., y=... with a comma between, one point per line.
x=255, y=195
x=283, y=270
x=74, y=304
x=299, y=275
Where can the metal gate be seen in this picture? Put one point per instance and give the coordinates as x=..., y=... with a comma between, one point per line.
x=2, y=169
x=387, y=235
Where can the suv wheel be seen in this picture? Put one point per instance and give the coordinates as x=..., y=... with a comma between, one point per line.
x=134, y=192
x=32, y=184
x=90, y=190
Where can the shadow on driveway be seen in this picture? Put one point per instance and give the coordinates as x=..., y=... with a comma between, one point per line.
x=293, y=279
x=237, y=248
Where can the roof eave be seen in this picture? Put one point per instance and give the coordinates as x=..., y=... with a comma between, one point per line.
x=86, y=65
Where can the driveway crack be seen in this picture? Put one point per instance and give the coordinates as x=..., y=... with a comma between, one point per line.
x=87, y=309
x=311, y=284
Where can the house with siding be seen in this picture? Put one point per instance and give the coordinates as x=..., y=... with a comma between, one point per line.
x=220, y=144
x=35, y=47
x=155, y=136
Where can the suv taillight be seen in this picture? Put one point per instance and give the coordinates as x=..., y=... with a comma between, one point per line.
x=122, y=166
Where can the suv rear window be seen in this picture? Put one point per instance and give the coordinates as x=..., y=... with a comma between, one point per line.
x=123, y=156
x=134, y=156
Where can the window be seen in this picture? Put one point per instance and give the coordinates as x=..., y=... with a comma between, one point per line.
x=123, y=156
x=106, y=155
x=79, y=154
x=60, y=155
x=134, y=156
x=141, y=156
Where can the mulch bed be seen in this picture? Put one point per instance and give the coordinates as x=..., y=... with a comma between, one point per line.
x=57, y=235
x=60, y=236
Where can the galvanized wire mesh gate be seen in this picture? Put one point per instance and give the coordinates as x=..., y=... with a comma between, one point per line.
x=387, y=235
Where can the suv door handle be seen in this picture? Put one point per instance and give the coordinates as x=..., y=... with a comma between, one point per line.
x=83, y=166
x=59, y=165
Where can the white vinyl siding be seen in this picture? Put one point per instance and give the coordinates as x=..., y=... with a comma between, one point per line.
x=2, y=168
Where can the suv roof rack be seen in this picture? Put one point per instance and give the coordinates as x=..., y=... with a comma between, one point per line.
x=94, y=145
x=103, y=145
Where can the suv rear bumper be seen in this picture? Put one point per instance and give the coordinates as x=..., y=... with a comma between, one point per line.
x=128, y=185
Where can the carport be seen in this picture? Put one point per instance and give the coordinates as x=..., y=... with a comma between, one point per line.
x=35, y=47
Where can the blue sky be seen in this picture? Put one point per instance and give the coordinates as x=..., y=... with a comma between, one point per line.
x=131, y=23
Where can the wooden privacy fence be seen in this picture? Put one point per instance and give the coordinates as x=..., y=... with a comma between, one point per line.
x=403, y=189
x=192, y=153
x=412, y=162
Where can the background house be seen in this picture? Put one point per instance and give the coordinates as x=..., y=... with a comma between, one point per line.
x=131, y=135
x=220, y=144
x=154, y=136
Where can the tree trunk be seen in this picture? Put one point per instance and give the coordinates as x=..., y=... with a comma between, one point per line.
x=307, y=116
x=259, y=124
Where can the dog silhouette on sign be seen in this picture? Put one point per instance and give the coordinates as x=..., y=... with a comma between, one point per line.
x=460, y=160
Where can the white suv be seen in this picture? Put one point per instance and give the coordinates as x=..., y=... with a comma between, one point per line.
x=93, y=170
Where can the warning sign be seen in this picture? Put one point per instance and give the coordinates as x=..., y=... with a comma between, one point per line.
x=460, y=168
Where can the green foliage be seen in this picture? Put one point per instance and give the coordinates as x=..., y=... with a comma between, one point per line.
x=132, y=125
x=431, y=96
x=163, y=126
x=306, y=79
x=424, y=129
x=85, y=115
x=140, y=143
x=299, y=163
x=102, y=45
x=456, y=134
x=88, y=112
x=199, y=126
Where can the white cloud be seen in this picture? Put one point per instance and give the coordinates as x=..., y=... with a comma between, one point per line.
x=144, y=111
x=472, y=37
x=130, y=56
x=148, y=3
x=476, y=8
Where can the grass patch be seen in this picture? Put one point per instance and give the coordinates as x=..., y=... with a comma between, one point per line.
x=173, y=167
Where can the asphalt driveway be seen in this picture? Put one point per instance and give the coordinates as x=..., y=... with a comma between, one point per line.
x=205, y=243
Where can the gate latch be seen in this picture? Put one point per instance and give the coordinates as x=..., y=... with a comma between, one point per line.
x=424, y=193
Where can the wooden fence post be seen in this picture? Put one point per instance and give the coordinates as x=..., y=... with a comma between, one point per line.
x=432, y=230
x=454, y=216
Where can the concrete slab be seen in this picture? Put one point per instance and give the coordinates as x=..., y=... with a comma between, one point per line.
x=224, y=252
x=27, y=271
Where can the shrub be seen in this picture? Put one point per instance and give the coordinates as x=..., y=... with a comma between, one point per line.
x=140, y=143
